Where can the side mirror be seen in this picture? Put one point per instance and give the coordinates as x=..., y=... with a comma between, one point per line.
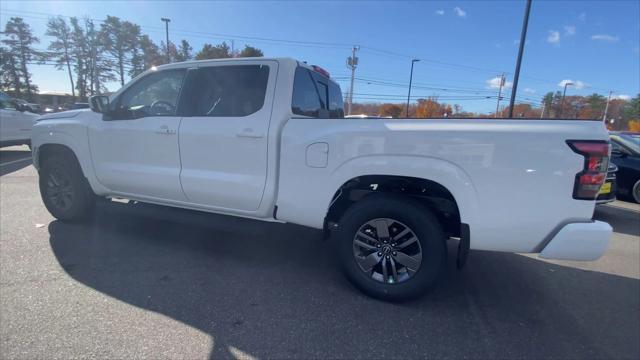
x=99, y=103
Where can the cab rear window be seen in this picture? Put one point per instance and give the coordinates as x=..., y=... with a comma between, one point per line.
x=316, y=96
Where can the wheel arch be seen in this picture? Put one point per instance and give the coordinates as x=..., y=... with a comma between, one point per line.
x=431, y=194
x=44, y=145
x=309, y=200
x=47, y=150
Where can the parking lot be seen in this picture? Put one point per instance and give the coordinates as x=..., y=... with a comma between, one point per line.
x=143, y=281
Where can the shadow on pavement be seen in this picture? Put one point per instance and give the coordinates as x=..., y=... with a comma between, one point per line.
x=273, y=290
x=14, y=160
x=623, y=220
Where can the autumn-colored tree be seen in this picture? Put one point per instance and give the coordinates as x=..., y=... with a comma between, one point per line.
x=428, y=108
x=431, y=108
x=393, y=110
x=634, y=125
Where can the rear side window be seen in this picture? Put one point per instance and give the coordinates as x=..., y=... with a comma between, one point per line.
x=228, y=91
x=305, y=99
x=336, y=106
x=316, y=96
x=323, y=91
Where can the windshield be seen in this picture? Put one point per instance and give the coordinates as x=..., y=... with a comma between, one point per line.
x=629, y=141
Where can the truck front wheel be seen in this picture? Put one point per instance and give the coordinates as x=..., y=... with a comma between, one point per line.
x=64, y=189
x=391, y=247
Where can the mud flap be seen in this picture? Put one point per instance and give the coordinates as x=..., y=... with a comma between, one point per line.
x=463, y=246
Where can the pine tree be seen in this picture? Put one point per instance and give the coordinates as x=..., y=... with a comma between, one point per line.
x=61, y=46
x=19, y=42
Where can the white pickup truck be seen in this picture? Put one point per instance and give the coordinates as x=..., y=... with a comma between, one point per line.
x=266, y=138
x=16, y=121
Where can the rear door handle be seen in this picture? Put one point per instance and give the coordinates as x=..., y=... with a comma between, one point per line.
x=164, y=130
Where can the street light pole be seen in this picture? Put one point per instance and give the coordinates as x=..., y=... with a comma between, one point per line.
x=410, y=82
x=166, y=23
x=563, y=94
x=499, y=94
x=606, y=108
x=516, y=76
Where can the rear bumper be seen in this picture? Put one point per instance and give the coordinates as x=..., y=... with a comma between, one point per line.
x=579, y=241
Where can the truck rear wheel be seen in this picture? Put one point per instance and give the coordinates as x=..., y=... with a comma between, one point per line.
x=390, y=247
x=64, y=189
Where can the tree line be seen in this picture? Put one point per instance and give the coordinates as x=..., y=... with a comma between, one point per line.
x=624, y=113
x=92, y=54
x=115, y=50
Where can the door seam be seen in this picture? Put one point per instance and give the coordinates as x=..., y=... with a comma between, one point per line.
x=180, y=157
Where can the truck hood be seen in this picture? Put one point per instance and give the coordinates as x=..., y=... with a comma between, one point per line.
x=63, y=115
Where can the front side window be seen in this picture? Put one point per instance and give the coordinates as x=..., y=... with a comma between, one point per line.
x=154, y=95
x=228, y=91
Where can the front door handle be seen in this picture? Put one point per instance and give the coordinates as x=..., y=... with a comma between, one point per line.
x=248, y=133
x=164, y=130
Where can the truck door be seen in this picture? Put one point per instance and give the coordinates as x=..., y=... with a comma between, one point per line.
x=223, y=141
x=134, y=148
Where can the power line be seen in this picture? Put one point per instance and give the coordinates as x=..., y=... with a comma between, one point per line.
x=201, y=33
x=439, y=88
x=437, y=62
x=306, y=43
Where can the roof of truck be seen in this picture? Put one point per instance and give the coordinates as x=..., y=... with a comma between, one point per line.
x=236, y=59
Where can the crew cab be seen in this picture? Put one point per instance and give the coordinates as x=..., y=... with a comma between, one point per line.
x=266, y=138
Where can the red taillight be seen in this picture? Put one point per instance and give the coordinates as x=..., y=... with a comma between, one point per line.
x=594, y=173
x=320, y=70
x=595, y=163
x=592, y=179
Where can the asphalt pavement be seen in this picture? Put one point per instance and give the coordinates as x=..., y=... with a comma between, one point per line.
x=143, y=281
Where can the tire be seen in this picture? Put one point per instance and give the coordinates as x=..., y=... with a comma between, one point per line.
x=404, y=219
x=635, y=192
x=64, y=189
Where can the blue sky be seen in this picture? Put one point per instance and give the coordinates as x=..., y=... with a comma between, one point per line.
x=462, y=44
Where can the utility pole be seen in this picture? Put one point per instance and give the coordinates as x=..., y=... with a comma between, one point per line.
x=544, y=106
x=166, y=23
x=233, y=48
x=606, y=108
x=564, y=92
x=499, y=94
x=523, y=38
x=352, y=63
x=410, y=81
